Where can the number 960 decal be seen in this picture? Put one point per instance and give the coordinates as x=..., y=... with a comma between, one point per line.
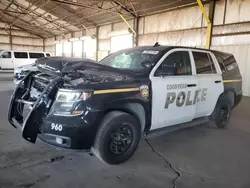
x=56, y=127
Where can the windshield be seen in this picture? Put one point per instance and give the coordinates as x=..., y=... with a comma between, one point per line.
x=131, y=59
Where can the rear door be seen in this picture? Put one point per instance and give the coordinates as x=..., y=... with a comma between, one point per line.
x=210, y=84
x=173, y=89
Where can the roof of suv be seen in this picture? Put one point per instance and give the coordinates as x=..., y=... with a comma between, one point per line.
x=166, y=48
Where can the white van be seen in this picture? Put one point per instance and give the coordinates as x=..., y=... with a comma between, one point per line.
x=11, y=59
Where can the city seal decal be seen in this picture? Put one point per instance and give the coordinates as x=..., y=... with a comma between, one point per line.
x=144, y=90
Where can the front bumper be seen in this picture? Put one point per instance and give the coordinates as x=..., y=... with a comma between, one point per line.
x=76, y=132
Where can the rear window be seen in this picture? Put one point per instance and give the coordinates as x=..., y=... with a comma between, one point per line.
x=21, y=55
x=36, y=55
x=48, y=55
x=203, y=63
x=226, y=61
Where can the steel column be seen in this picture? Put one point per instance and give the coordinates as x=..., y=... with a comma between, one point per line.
x=97, y=42
x=136, y=26
x=11, y=43
x=209, y=20
x=125, y=21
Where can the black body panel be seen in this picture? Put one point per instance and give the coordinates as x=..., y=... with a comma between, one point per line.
x=230, y=74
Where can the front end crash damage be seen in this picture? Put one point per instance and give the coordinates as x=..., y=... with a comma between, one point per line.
x=32, y=101
x=38, y=108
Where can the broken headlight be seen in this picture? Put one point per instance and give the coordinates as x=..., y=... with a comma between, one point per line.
x=66, y=102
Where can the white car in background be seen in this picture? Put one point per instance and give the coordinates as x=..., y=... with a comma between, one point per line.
x=12, y=59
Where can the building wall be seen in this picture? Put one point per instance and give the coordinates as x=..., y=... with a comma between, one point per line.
x=20, y=40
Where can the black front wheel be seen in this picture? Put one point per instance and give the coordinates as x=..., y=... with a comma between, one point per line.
x=117, y=137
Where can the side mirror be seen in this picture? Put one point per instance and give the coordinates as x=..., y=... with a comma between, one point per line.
x=166, y=71
x=146, y=64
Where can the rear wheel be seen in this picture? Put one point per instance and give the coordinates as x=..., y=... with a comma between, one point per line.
x=117, y=138
x=221, y=114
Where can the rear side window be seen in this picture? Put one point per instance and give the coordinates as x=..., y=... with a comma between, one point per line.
x=226, y=61
x=21, y=55
x=36, y=55
x=203, y=63
x=6, y=55
x=48, y=55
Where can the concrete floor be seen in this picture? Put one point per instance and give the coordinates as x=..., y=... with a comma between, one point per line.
x=197, y=157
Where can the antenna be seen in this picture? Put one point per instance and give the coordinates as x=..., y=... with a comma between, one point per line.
x=156, y=44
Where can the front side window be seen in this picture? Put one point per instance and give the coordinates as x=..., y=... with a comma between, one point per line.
x=203, y=63
x=48, y=55
x=6, y=55
x=36, y=55
x=176, y=64
x=131, y=59
x=21, y=55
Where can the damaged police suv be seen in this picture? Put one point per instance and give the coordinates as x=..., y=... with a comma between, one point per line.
x=106, y=107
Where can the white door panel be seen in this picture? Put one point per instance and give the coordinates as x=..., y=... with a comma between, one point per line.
x=173, y=101
x=212, y=86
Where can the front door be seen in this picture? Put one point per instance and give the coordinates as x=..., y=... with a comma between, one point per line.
x=173, y=89
x=6, y=60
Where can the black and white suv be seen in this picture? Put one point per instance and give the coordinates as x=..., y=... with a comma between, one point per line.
x=108, y=106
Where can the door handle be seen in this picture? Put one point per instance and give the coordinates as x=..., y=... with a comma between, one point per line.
x=217, y=81
x=191, y=85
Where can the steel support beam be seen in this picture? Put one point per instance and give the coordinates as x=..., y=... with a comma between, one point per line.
x=136, y=26
x=11, y=43
x=43, y=45
x=209, y=20
x=125, y=8
x=97, y=42
x=126, y=22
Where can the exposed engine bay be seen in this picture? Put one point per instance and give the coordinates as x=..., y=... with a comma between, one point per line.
x=73, y=73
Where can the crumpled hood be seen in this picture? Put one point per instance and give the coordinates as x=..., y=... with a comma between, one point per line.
x=29, y=67
x=61, y=66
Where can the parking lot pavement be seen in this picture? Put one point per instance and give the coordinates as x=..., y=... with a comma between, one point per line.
x=6, y=76
x=201, y=157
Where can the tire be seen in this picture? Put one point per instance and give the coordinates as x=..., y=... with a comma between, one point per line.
x=221, y=115
x=110, y=145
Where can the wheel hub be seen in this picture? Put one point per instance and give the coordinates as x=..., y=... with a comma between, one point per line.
x=224, y=114
x=121, y=140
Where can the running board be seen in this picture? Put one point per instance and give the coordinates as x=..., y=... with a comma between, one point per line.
x=173, y=128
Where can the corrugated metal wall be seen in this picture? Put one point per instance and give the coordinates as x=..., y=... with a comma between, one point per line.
x=20, y=40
